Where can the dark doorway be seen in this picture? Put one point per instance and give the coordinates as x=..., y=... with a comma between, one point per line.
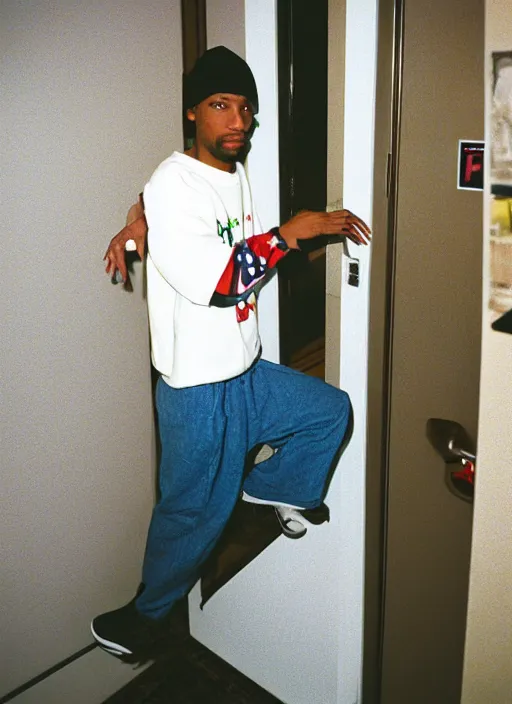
x=302, y=66
x=193, y=36
x=193, y=31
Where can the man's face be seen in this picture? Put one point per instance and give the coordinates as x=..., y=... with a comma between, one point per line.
x=223, y=123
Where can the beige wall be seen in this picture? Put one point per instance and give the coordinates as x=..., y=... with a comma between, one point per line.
x=225, y=24
x=488, y=651
x=90, y=105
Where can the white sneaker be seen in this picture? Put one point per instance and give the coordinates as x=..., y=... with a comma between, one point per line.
x=290, y=520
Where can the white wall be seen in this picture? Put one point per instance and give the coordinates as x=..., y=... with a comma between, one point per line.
x=358, y=179
x=488, y=651
x=263, y=161
x=241, y=27
x=91, y=96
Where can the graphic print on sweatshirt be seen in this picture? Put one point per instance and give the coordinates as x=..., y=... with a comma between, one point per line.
x=249, y=269
x=226, y=231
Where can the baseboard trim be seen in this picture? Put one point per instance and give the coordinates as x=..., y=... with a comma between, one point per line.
x=90, y=676
x=47, y=673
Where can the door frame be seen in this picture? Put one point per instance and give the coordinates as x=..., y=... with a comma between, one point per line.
x=387, y=148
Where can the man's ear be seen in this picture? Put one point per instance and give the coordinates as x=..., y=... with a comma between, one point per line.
x=191, y=114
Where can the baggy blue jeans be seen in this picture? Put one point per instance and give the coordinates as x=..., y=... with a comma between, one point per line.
x=206, y=433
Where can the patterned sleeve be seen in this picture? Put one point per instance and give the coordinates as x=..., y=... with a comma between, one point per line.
x=249, y=263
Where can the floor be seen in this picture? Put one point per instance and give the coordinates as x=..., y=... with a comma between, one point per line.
x=188, y=673
x=310, y=359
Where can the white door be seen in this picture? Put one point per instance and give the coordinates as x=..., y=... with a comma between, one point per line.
x=292, y=620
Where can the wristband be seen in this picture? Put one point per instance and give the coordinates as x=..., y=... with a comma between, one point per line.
x=280, y=242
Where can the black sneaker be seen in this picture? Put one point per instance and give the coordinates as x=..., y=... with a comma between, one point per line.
x=127, y=633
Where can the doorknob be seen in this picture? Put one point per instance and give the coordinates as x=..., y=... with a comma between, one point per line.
x=452, y=442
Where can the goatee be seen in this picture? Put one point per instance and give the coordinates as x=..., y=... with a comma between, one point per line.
x=230, y=156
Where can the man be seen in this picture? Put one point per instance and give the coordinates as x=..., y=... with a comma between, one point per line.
x=216, y=399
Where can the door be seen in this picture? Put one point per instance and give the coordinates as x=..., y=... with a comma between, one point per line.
x=433, y=349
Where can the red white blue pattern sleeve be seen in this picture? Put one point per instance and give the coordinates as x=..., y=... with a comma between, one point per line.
x=248, y=265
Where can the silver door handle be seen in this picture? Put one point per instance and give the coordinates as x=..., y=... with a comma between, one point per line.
x=452, y=442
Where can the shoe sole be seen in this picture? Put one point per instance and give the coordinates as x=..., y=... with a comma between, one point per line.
x=109, y=646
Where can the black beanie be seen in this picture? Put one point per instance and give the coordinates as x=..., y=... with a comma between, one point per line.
x=219, y=70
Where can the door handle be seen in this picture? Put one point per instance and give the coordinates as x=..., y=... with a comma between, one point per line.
x=453, y=443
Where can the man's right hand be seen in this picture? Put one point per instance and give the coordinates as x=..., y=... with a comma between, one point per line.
x=308, y=224
x=136, y=229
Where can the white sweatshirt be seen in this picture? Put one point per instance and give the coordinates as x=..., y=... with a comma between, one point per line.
x=195, y=214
